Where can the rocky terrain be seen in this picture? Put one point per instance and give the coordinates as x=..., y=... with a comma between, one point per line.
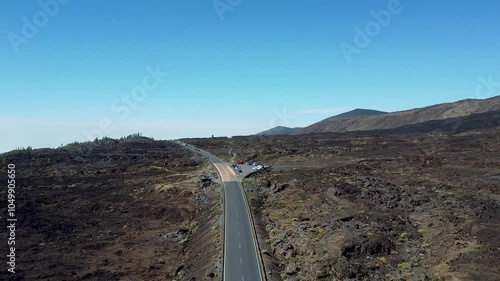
x=377, y=206
x=134, y=209
x=414, y=202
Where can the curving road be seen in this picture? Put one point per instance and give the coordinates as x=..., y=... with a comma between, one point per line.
x=240, y=250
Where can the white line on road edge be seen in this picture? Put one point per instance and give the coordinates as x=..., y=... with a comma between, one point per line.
x=225, y=222
x=254, y=234
x=182, y=144
x=225, y=236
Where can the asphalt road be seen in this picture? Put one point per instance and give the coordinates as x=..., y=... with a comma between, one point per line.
x=240, y=252
x=240, y=258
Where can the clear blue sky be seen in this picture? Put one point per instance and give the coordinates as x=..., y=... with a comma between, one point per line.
x=263, y=63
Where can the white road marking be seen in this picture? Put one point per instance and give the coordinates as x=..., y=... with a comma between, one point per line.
x=238, y=233
x=241, y=260
x=242, y=278
x=237, y=223
x=239, y=244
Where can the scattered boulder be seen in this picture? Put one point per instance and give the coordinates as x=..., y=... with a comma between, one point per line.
x=291, y=269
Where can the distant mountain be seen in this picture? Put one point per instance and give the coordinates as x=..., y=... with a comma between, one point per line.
x=384, y=121
x=476, y=121
x=332, y=124
x=279, y=130
x=356, y=113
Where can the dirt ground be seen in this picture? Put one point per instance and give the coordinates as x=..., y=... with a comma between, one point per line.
x=416, y=206
x=135, y=209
